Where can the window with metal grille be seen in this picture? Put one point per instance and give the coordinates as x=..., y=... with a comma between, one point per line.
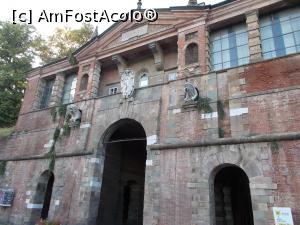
x=113, y=90
x=47, y=92
x=191, y=54
x=69, y=89
x=229, y=47
x=172, y=76
x=280, y=33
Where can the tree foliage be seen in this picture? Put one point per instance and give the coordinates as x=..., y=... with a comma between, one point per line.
x=20, y=45
x=62, y=43
x=16, y=57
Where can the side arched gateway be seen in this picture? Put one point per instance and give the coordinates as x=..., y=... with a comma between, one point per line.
x=122, y=191
x=231, y=196
x=42, y=197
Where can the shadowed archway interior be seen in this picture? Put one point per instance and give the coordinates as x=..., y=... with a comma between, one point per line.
x=232, y=197
x=122, y=191
x=42, y=197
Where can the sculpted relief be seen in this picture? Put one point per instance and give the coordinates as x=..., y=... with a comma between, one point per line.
x=191, y=92
x=73, y=115
x=127, y=83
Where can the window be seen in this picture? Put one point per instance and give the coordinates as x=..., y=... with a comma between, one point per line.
x=229, y=47
x=172, y=76
x=69, y=89
x=84, y=82
x=144, y=80
x=191, y=54
x=112, y=90
x=280, y=33
x=47, y=93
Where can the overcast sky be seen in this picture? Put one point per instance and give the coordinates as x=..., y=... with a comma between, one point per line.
x=111, y=6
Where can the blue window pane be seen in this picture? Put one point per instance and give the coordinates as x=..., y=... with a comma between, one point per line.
x=216, y=46
x=69, y=89
x=280, y=36
x=242, y=39
x=286, y=27
x=297, y=37
x=225, y=43
x=217, y=58
x=225, y=52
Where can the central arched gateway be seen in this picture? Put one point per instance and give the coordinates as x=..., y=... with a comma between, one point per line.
x=122, y=191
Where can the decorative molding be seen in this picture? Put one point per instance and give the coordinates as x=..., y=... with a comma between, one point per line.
x=158, y=55
x=289, y=136
x=120, y=62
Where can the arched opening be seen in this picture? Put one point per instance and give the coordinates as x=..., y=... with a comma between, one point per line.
x=122, y=190
x=84, y=82
x=191, y=54
x=42, y=197
x=232, y=199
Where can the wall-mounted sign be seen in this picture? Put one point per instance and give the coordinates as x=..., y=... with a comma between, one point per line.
x=282, y=216
x=6, y=197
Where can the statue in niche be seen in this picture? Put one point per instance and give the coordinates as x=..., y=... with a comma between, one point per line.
x=73, y=115
x=127, y=83
x=191, y=92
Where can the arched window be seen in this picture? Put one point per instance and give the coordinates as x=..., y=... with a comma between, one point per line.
x=191, y=54
x=144, y=80
x=84, y=82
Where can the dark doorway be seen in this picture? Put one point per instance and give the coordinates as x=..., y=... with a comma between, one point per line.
x=122, y=191
x=232, y=197
x=47, y=199
x=42, y=197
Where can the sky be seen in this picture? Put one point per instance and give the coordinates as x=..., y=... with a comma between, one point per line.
x=84, y=6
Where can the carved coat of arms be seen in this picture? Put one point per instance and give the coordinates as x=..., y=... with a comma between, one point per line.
x=191, y=92
x=127, y=83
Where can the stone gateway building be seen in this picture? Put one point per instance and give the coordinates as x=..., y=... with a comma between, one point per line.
x=189, y=120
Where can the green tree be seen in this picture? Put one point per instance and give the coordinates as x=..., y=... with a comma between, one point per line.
x=16, y=56
x=62, y=43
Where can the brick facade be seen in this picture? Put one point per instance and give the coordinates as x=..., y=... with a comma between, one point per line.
x=186, y=147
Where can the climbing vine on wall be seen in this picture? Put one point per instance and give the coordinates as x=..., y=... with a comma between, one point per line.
x=220, y=109
x=2, y=167
x=62, y=129
x=203, y=104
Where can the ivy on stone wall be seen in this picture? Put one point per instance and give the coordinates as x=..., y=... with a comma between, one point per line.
x=62, y=130
x=220, y=109
x=203, y=104
x=58, y=111
x=2, y=168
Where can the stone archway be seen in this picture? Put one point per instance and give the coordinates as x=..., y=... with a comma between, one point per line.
x=42, y=197
x=232, y=203
x=122, y=190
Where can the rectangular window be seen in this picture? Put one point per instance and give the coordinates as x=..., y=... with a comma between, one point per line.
x=47, y=93
x=280, y=33
x=229, y=47
x=69, y=89
x=112, y=90
x=172, y=76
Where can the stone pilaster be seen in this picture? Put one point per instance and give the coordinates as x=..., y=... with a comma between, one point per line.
x=57, y=89
x=181, y=54
x=202, y=48
x=95, y=79
x=207, y=51
x=158, y=55
x=252, y=20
